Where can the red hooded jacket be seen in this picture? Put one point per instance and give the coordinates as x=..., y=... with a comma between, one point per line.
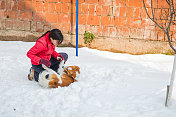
x=43, y=48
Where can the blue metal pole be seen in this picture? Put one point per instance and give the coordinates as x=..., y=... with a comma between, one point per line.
x=76, y=27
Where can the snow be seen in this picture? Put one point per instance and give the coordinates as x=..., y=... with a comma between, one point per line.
x=110, y=85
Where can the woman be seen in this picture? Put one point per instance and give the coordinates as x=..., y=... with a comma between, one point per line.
x=43, y=52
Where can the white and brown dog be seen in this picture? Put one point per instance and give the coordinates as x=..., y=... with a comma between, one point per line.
x=49, y=78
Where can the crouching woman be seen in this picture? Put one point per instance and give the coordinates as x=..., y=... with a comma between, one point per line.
x=43, y=52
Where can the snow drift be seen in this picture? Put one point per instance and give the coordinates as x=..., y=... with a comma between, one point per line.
x=110, y=85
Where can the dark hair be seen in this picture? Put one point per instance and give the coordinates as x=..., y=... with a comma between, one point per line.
x=55, y=34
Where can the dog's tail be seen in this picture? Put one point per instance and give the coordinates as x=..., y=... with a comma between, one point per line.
x=52, y=71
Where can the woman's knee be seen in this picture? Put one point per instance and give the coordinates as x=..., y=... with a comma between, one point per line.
x=65, y=55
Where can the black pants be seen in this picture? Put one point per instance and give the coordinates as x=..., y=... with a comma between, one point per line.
x=54, y=66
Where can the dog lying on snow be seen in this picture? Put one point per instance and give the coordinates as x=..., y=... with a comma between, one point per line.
x=49, y=78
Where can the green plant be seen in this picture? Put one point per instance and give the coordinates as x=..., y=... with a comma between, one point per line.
x=88, y=37
x=68, y=32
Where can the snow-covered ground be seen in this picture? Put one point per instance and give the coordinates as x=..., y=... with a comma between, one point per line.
x=110, y=85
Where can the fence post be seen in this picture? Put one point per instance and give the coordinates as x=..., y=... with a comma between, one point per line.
x=76, y=27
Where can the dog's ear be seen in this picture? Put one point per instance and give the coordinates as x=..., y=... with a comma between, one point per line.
x=54, y=81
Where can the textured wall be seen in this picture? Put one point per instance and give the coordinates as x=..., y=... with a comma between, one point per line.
x=118, y=19
x=110, y=18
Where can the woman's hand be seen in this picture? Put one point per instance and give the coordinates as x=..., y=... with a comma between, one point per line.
x=60, y=58
x=45, y=62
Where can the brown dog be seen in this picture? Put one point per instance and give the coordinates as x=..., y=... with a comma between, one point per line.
x=50, y=79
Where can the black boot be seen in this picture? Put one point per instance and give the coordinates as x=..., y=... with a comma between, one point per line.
x=31, y=74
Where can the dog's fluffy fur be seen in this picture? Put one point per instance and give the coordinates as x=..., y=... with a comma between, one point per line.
x=70, y=75
x=49, y=78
